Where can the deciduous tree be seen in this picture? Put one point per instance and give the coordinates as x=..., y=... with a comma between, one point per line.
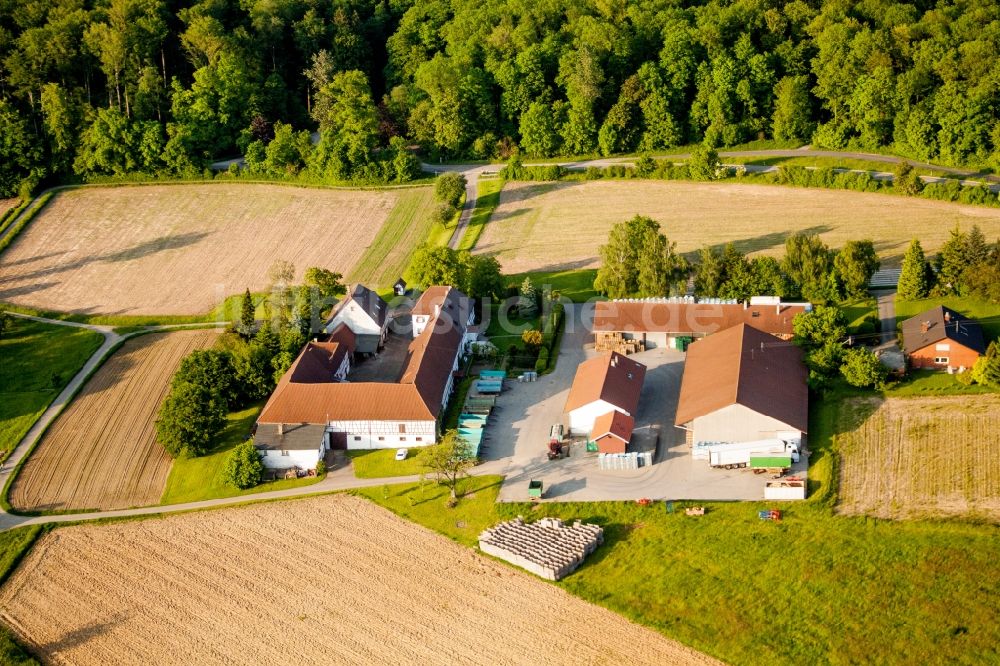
x=449, y=460
x=244, y=468
x=189, y=419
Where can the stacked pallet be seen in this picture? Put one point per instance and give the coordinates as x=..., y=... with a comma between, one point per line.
x=548, y=548
x=616, y=342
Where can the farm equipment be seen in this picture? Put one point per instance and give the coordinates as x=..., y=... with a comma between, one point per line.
x=555, y=451
x=535, y=489
x=770, y=514
x=694, y=511
x=777, y=465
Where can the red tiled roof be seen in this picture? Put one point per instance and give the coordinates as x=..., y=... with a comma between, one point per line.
x=308, y=394
x=689, y=318
x=614, y=378
x=745, y=366
x=613, y=424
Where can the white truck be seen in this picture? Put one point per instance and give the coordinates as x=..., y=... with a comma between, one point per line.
x=737, y=455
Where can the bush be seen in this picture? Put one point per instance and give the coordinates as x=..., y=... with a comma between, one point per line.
x=542, y=363
x=532, y=338
x=243, y=466
x=321, y=468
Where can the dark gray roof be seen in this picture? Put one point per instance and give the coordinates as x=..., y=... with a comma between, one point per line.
x=295, y=437
x=370, y=302
x=942, y=323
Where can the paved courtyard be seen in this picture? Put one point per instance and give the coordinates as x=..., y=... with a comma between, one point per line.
x=519, y=431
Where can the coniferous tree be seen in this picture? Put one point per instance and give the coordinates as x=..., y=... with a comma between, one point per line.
x=914, y=280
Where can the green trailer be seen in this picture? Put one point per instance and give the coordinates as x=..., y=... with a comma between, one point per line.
x=535, y=489
x=764, y=463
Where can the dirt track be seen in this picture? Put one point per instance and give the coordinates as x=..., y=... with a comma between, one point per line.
x=554, y=226
x=321, y=581
x=181, y=249
x=921, y=457
x=101, y=453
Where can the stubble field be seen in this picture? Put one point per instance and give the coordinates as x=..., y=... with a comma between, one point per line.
x=558, y=226
x=181, y=249
x=921, y=457
x=101, y=453
x=327, y=580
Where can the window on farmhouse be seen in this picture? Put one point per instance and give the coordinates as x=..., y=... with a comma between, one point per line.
x=402, y=427
x=943, y=360
x=284, y=453
x=402, y=439
x=381, y=439
x=357, y=438
x=419, y=439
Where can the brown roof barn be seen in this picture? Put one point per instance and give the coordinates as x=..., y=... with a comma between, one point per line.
x=748, y=367
x=307, y=393
x=684, y=317
x=613, y=378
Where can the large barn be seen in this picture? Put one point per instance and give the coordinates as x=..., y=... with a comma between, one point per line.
x=942, y=338
x=660, y=322
x=742, y=385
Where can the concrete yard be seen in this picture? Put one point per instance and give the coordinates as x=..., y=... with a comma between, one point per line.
x=519, y=431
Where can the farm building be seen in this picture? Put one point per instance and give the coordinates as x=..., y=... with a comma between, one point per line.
x=742, y=385
x=612, y=432
x=369, y=414
x=282, y=447
x=942, y=338
x=445, y=304
x=399, y=288
x=366, y=314
x=603, y=384
x=636, y=324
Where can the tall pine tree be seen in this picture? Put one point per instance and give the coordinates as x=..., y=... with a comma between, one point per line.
x=914, y=279
x=952, y=262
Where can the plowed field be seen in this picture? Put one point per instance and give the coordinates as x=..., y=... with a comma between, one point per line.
x=332, y=580
x=101, y=453
x=560, y=226
x=181, y=249
x=914, y=457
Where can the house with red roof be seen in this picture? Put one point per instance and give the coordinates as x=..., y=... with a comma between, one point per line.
x=604, y=386
x=316, y=406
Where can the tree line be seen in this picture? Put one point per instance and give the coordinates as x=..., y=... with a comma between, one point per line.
x=92, y=88
x=639, y=261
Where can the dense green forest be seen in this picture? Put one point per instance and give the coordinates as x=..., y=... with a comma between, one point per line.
x=116, y=87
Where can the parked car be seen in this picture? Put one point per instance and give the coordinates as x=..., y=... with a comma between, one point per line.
x=402, y=453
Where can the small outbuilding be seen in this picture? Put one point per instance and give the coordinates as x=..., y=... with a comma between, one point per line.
x=284, y=446
x=607, y=383
x=942, y=338
x=612, y=432
x=400, y=287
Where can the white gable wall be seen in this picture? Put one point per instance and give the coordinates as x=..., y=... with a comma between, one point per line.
x=737, y=423
x=356, y=319
x=581, y=419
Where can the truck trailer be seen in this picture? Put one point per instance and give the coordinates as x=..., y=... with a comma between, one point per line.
x=738, y=455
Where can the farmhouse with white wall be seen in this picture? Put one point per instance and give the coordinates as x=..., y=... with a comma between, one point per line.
x=603, y=384
x=743, y=385
x=371, y=414
x=366, y=314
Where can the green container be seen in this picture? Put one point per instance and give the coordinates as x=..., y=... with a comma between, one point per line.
x=770, y=462
x=591, y=446
x=681, y=343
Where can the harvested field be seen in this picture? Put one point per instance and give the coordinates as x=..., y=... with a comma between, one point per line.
x=7, y=204
x=328, y=580
x=556, y=226
x=917, y=457
x=181, y=249
x=101, y=453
